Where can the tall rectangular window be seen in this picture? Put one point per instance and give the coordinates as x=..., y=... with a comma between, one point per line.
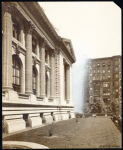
x=116, y=62
x=103, y=64
x=116, y=69
x=33, y=45
x=98, y=71
x=103, y=71
x=109, y=64
x=109, y=70
x=16, y=29
x=103, y=77
x=98, y=65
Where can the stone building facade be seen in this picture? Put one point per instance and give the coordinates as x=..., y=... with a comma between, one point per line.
x=105, y=80
x=36, y=68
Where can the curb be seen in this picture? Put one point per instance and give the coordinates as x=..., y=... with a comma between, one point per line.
x=29, y=145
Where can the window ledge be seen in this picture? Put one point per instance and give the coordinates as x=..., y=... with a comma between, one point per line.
x=16, y=41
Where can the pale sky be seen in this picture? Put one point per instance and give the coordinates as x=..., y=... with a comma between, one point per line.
x=93, y=27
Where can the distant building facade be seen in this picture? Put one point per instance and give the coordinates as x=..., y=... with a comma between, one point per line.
x=36, y=68
x=105, y=80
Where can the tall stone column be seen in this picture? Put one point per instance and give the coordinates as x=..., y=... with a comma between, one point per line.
x=52, y=75
x=42, y=70
x=7, y=45
x=37, y=85
x=28, y=57
x=37, y=48
x=57, y=75
x=67, y=83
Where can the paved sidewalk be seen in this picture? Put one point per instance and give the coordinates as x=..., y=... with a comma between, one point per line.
x=99, y=132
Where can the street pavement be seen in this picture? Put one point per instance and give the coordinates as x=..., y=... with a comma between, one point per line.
x=91, y=132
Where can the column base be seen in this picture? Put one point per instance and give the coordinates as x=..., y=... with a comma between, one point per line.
x=28, y=92
x=42, y=96
x=7, y=88
x=67, y=100
x=52, y=97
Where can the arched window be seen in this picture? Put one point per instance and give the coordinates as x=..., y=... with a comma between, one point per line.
x=16, y=73
x=34, y=81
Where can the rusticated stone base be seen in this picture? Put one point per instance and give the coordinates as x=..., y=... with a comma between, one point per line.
x=35, y=121
x=47, y=119
x=15, y=125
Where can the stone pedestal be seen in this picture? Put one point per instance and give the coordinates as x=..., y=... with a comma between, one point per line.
x=47, y=119
x=12, y=95
x=65, y=116
x=15, y=125
x=72, y=115
x=56, y=116
x=59, y=117
x=35, y=121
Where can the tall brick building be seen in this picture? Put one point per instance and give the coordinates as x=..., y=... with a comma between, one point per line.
x=36, y=68
x=105, y=80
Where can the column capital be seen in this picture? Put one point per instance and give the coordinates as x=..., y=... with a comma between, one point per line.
x=44, y=43
x=64, y=61
x=52, y=52
x=57, y=50
x=8, y=6
x=29, y=26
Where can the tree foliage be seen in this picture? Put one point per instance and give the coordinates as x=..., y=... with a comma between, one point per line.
x=115, y=107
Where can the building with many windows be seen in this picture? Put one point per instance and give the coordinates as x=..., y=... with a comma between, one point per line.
x=105, y=80
x=36, y=68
